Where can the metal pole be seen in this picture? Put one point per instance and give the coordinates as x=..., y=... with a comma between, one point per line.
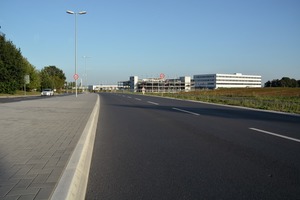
x=74, y=13
x=76, y=53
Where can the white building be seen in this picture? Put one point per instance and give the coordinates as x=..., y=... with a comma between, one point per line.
x=102, y=87
x=156, y=84
x=237, y=80
x=133, y=83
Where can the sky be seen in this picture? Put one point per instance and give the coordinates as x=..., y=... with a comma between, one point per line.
x=121, y=38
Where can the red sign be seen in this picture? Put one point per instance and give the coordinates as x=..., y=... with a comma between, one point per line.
x=162, y=76
x=75, y=76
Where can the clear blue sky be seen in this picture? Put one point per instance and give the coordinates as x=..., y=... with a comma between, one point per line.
x=149, y=37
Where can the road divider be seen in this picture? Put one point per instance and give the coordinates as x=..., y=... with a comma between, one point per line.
x=73, y=183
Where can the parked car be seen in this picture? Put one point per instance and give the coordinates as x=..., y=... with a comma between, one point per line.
x=47, y=92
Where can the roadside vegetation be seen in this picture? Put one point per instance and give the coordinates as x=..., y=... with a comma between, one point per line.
x=14, y=68
x=277, y=99
x=21, y=93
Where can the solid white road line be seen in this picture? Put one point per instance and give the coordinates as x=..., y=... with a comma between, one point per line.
x=186, y=111
x=275, y=134
x=152, y=102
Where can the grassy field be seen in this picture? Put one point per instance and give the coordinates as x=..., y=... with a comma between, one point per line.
x=278, y=99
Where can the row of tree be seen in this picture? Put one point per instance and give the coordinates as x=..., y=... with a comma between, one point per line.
x=284, y=82
x=14, y=67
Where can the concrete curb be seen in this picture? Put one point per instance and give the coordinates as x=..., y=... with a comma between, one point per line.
x=73, y=183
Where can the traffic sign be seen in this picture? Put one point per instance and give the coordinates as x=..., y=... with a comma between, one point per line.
x=75, y=76
x=26, y=79
x=162, y=76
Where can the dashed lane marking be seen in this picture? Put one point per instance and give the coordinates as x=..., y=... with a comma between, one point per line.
x=186, y=111
x=275, y=134
x=153, y=103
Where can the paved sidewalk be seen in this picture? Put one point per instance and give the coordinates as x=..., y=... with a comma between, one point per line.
x=37, y=138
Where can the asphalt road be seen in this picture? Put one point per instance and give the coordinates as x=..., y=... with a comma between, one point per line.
x=156, y=148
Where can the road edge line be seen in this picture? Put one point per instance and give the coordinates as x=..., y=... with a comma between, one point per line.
x=73, y=182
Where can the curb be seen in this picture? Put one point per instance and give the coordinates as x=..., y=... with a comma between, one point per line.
x=73, y=182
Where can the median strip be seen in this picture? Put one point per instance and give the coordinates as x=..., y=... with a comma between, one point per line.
x=275, y=134
x=73, y=182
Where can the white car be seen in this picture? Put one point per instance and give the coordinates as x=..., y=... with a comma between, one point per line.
x=47, y=92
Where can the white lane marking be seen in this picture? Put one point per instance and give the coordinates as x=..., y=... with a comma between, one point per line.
x=275, y=134
x=129, y=97
x=138, y=99
x=152, y=102
x=186, y=111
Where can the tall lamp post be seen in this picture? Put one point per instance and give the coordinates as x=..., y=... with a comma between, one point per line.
x=74, y=13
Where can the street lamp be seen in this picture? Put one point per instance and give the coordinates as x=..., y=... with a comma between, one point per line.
x=74, y=13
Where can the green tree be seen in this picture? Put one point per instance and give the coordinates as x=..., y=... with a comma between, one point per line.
x=275, y=83
x=283, y=82
x=34, y=75
x=71, y=84
x=294, y=83
x=52, y=77
x=11, y=67
x=268, y=84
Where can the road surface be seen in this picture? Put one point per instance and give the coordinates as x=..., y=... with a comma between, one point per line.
x=156, y=148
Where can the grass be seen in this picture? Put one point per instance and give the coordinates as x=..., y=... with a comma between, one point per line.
x=278, y=99
x=20, y=93
x=31, y=93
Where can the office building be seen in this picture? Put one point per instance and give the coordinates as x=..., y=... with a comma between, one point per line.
x=156, y=84
x=236, y=80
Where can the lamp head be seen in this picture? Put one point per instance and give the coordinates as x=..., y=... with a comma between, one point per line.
x=70, y=12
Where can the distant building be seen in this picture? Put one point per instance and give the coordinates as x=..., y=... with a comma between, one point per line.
x=156, y=84
x=237, y=80
x=102, y=87
x=123, y=85
x=133, y=83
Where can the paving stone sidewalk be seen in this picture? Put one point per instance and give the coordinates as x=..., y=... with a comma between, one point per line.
x=37, y=138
